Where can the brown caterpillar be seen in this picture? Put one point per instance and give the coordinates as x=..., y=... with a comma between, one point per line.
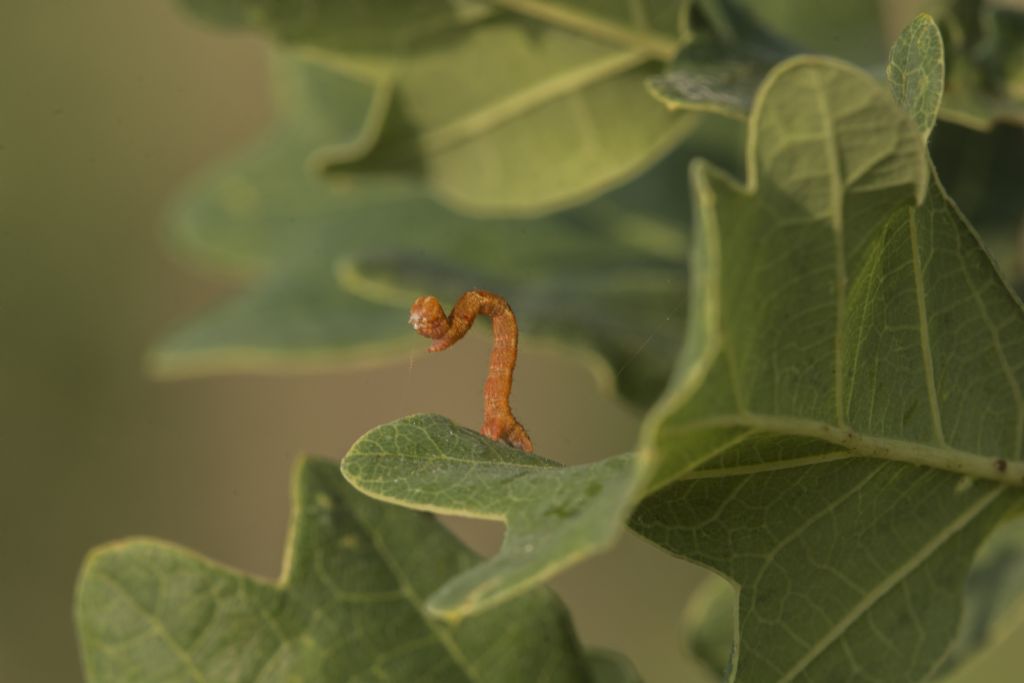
x=427, y=317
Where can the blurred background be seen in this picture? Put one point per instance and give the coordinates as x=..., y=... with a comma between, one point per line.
x=106, y=107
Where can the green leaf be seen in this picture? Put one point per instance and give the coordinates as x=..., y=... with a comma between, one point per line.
x=845, y=426
x=360, y=28
x=626, y=314
x=349, y=606
x=265, y=205
x=709, y=622
x=616, y=263
x=853, y=31
x=611, y=667
x=296, y=320
x=915, y=71
x=386, y=30
x=994, y=596
x=608, y=276
x=570, y=99
x=567, y=120
x=720, y=69
x=859, y=561
x=555, y=515
x=993, y=606
x=626, y=285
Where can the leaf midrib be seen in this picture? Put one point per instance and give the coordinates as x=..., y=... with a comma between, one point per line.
x=837, y=198
x=1000, y=470
x=180, y=652
x=924, y=331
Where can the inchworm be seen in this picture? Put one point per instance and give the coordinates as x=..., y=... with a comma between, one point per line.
x=428, y=318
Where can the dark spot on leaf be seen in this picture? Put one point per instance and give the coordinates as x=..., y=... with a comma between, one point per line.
x=1001, y=465
x=563, y=510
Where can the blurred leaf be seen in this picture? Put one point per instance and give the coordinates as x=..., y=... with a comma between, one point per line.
x=624, y=276
x=265, y=205
x=295, y=320
x=625, y=309
x=719, y=69
x=265, y=214
x=847, y=415
x=349, y=607
x=611, y=667
x=398, y=27
x=850, y=30
x=364, y=29
x=554, y=514
x=994, y=598
x=607, y=277
x=709, y=622
x=984, y=82
x=567, y=120
x=346, y=107
x=915, y=71
x=984, y=49
x=993, y=606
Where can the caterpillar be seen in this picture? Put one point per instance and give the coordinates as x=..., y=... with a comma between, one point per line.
x=428, y=318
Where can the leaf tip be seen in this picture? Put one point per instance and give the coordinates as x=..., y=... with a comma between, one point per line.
x=915, y=71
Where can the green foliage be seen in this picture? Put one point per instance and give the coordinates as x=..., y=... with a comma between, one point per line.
x=882, y=286
x=600, y=276
x=708, y=624
x=349, y=607
x=554, y=514
x=789, y=428
x=301, y=236
x=723, y=66
x=993, y=606
x=840, y=426
x=719, y=69
x=573, y=99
